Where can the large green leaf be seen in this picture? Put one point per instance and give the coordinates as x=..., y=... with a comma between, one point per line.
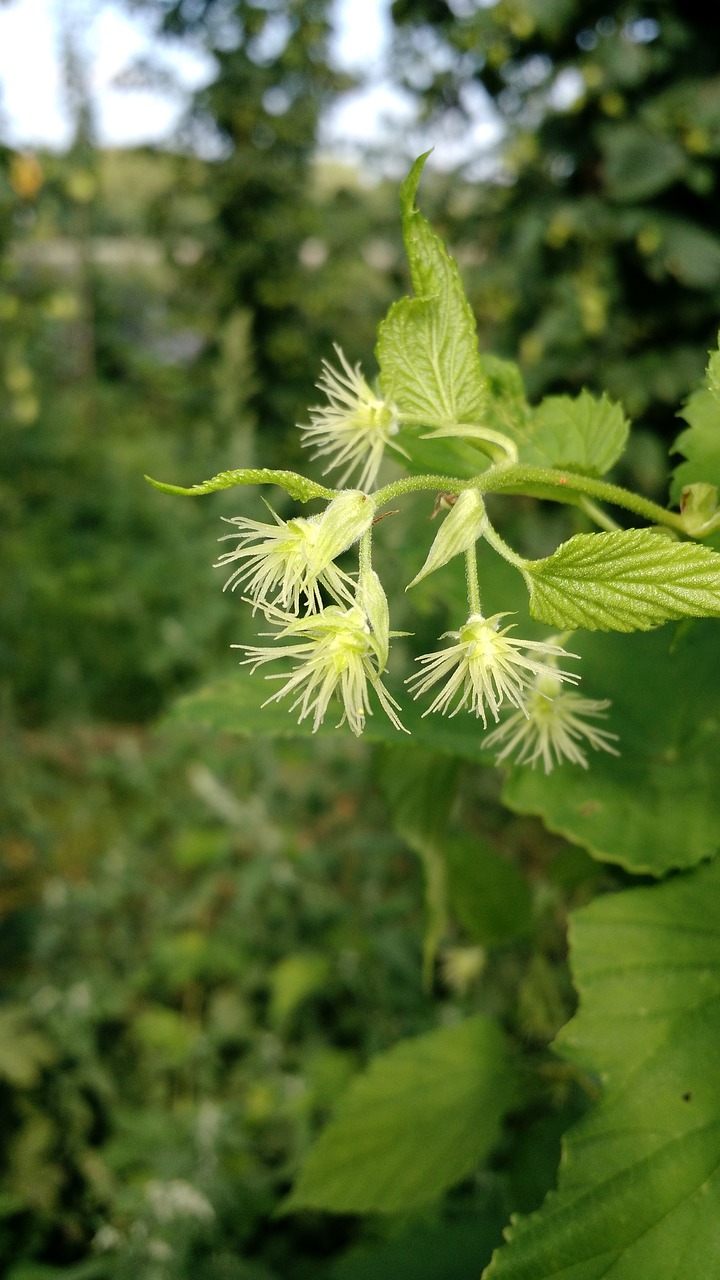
x=487, y=893
x=427, y=345
x=639, y=1186
x=639, y=162
x=632, y=580
x=657, y=805
x=233, y=704
x=419, y=1120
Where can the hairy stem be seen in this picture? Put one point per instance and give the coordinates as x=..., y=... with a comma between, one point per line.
x=546, y=482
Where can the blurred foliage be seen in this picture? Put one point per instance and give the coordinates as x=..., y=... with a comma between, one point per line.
x=270, y=233
x=197, y=960
x=588, y=231
x=117, y=360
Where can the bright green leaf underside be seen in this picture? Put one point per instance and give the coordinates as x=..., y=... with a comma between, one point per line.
x=420, y=1119
x=639, y=1185
x=632, y=580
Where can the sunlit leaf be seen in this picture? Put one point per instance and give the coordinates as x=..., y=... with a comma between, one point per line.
x=427, y=345
x=632, y=580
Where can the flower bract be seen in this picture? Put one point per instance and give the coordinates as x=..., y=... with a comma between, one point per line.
x=335, y=655
x=286, y=563
x=355, y=426
x=486, y=667
x=555, y=727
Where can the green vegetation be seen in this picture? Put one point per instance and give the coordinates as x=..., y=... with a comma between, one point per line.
x=284, y=1006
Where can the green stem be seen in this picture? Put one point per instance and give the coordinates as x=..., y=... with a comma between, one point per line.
x=493, y=537
x=521, y=478
x=473, y=581
x=365, y=552
x=545, y=482
x=597, y=514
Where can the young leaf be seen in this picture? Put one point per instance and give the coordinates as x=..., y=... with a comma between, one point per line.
x=700, y=441
x=427, y=345
x=700, y=444
x=632, y=580
x=420, y=1119
x=297, y=486
x=639, y=1189
x=582, y=434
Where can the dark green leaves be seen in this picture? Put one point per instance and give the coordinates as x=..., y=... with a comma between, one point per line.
x=421, y=1118
x=427, y=345
x=632, y=580
x=657, y=805
x=233, y=704
x=639, y=1188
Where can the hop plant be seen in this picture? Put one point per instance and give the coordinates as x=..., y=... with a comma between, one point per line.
x=554, y=726
x=355, y=426
x=484, y=668
x=433, y=399
x=335, y=655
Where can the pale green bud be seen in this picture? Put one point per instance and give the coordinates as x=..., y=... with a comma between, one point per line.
x=345, y=520
x=460, y=530
x=698, y=508
x=373, y=601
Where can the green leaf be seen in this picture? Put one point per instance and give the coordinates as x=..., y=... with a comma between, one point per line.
x=700, y=442
x=23, y=1050
x=712, y=375
x=690, y=253
x=427, y=345
x=632, y=580
x=639, y=1187
x=454, y=1250
x=233, y=704
x=582, y=434
x=293, y=980
x=638, y=162
x=488, y=894
x=420, y=788
x=656, y=806
x=295, y=485
x=419, y=1120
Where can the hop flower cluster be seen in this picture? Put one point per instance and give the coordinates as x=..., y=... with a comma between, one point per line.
x=337, y=650
x=332, y=628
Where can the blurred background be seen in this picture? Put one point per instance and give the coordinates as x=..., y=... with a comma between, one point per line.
x=201, y=942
